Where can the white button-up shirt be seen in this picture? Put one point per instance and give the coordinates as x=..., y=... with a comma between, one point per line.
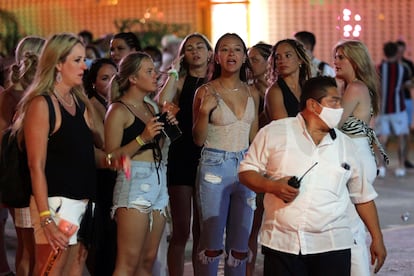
x=316, y=220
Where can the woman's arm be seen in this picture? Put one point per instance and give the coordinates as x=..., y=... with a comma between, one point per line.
x=36, y=132
x=273, y=103
x=116, y=121
x=204, y=102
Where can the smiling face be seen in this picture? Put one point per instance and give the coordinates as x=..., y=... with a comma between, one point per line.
x=287, y=60
x=74, y=66
x=230, y=54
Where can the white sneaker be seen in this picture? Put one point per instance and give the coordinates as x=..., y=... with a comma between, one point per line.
x=399, y=172
x=382, y=172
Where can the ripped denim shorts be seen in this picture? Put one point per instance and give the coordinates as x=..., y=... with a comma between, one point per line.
x=145, y=191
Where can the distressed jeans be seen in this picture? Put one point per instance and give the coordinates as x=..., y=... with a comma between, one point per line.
x=224, y=203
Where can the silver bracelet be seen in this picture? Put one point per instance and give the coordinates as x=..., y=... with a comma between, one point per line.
x=46, y=221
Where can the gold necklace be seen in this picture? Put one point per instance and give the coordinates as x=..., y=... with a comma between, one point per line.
x=60, y=97
x=144, y=111
x=228, y=89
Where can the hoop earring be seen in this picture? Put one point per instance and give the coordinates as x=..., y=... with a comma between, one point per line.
x=58, y=77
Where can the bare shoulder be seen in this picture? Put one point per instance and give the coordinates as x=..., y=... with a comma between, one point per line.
x=358, y=90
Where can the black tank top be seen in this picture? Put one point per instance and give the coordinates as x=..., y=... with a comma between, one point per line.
x=132, y=131
x=70, y=163
x=289, y=100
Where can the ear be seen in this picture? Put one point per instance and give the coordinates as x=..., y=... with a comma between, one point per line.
x=313, y=106
x=133, y=79
x=59, y=66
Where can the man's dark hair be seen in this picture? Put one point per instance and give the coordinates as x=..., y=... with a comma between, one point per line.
x=130, y=39
x=306, y=37
x=390, y=49
x=401, y=43
x=316, y=88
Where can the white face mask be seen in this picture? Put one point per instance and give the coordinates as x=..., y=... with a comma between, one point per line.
x=331, y=116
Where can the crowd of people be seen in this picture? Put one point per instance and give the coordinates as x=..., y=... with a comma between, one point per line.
x=256, y=130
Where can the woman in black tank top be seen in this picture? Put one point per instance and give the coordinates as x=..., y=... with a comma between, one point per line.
x=289, y=68
x=192, y=65
x=140, y=196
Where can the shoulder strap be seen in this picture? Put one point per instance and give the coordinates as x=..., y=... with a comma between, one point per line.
x=52, y=115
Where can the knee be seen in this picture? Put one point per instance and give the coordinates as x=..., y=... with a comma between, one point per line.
x=236, y=258
x=207, y=256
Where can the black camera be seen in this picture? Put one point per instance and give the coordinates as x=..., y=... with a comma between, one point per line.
x=170, y=130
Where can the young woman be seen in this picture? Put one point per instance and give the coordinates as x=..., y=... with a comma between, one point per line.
x=102, y=255
x=258, y=58
x=140, y=197
x=193, y=67
x=21, y=76
x=289, y=67
x=225, y=114
x=122, y=44
x=360, y=100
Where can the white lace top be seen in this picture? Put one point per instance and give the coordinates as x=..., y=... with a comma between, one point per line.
x=226, y=131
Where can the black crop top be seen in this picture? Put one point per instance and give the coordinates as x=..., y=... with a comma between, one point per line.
x=135, y=129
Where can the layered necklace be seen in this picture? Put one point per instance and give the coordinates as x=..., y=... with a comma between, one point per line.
x=62, y=99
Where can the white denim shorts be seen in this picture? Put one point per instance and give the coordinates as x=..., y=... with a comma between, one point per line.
x=63, y=210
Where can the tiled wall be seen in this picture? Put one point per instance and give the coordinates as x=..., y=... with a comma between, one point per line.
x=382, y=20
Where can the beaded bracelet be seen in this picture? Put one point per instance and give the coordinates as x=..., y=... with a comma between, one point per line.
x=44, y=213
x=174, y=73
x=140, y=141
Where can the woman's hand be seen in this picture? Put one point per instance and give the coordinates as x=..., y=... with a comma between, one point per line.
x=56, y=238
x=152, y=129
x=209, y=101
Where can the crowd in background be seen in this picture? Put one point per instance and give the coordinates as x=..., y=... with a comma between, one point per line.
x=109, y=153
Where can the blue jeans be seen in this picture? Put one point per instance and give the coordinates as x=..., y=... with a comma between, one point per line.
x=224, y=203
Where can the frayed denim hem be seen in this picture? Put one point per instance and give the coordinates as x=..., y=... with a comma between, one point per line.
x=234, y=262
x=204, y=259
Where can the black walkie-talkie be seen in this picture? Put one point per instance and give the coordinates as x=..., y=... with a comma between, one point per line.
x=295, y=182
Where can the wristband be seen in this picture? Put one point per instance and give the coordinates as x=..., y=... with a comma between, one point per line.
x=44, y=213
x=46, y=221
x=140, y=141
x=174, y=73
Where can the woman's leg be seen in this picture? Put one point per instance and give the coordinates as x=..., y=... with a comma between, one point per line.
x=196, y=233
x=25, y=251
x=151, y=244
x=132, y=232
x=239, y=225
x=257, y=222
x=180, y=204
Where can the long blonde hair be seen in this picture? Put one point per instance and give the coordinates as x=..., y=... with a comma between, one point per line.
x=357, y=54
x=56, y=50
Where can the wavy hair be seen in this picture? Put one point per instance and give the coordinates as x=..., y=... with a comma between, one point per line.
x=358, y=55
x=304, y=70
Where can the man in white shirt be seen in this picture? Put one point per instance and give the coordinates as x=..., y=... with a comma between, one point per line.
x=308, y=226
